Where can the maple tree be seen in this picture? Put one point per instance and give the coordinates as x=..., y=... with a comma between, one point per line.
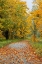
x=39, y=11
x=13, y=18
x=38, y=15
x=35, y=20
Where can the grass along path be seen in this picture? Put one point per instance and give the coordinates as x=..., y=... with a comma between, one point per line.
x=38, y=48
x=4, y=42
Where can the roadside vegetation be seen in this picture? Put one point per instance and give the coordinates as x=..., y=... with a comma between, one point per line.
x=37, y=46
x=4, y=42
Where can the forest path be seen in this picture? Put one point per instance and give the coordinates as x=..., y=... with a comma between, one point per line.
x=18, y=53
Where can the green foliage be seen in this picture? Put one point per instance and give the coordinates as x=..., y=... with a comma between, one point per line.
x=38, y=47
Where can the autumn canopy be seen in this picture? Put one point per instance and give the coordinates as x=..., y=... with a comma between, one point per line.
x=17, y=22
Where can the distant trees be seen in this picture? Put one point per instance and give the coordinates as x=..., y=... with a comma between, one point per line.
x=36, y=19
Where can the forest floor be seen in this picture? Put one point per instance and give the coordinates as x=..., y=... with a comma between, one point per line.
x=19, y=53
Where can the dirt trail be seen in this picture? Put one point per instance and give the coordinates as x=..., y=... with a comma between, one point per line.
x=18, y=53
